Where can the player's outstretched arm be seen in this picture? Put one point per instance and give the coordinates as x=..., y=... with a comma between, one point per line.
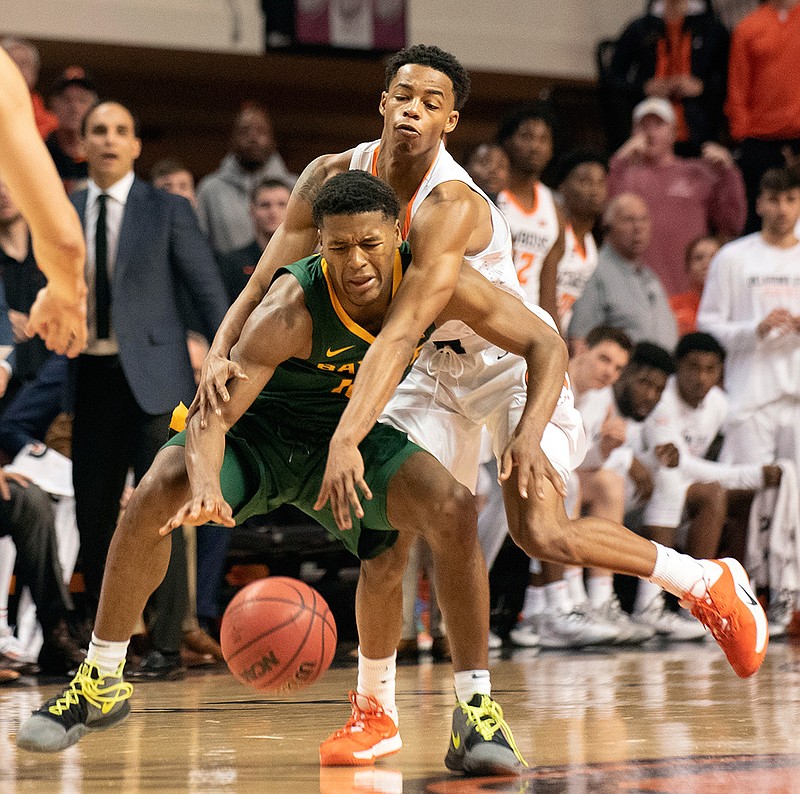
x=294, y=239
x=59, y=313
x=505, y=321
x=281, y=318
x=439, y=238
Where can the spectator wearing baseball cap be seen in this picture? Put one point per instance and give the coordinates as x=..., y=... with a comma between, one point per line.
x=71, y=96
x=688, y=197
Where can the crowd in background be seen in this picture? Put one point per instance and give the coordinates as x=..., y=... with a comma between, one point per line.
x=671, y=264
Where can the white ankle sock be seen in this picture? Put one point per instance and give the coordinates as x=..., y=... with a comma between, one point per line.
x=376, y=678
x=472, y=682
x=557, y=596
x=679, y=573
x=534, y=603
x=577, y=589
x=601, y=589
x=106, y=655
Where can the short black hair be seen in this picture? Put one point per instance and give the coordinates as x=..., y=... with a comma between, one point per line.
x=778, y=180
x=352, y=193
x=698, y=342
x=605, y=333
x=137, y=126
x=575, y=157
x=435, y=58
x=267, y=183
x=647, y=354
x=514, y=118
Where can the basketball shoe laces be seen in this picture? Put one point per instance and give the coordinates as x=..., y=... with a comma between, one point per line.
x=487, y=718
x=94, y=691
x=709, y=614
x=359, y=716
x=444, y=361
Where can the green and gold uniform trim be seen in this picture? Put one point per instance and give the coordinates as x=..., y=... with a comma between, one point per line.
x=347, y=321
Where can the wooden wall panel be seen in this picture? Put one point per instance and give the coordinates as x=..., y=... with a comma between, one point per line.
x=186, y=100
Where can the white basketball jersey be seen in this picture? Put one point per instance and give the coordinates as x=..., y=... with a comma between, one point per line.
x=533, y=234
x=495, y=262
x=574, y=269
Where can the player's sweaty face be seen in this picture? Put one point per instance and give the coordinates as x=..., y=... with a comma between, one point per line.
x=418, y=107
x=360, y=252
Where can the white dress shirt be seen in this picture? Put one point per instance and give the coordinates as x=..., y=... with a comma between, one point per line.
x=115, y=209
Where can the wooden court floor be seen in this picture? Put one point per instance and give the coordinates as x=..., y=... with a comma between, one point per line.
x=663, y=719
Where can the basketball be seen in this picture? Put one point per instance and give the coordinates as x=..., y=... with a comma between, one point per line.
x=278, y=635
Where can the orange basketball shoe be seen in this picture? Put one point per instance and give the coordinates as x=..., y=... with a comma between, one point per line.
x=370, y=733
x=732, y=613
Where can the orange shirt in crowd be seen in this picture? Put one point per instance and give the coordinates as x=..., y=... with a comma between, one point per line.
x=764, y=75
x=46, y=122
x=673, y=59
x=684, y=306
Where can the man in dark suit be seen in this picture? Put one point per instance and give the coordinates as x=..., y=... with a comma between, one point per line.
x=142, y=245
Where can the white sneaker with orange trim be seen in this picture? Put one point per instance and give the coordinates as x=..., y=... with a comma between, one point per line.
x=369, y=734
x=732, y=613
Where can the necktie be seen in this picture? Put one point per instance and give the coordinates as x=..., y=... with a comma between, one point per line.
x=102, y=290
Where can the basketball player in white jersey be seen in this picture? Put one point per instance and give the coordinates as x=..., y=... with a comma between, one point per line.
x=751, y=304
x=582, y=186
x=59, y=313
x=537, y=226
x=461, y=384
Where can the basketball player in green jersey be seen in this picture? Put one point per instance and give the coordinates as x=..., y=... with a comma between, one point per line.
x=300, y=351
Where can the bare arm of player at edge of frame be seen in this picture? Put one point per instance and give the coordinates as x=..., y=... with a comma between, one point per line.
x=59, y=313
x=293, y=240
x=282, y=318
x=504, y=320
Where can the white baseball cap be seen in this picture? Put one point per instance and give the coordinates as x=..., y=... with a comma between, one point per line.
x=654, y=106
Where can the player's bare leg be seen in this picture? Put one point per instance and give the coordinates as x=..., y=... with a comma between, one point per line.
x=603, y=496
x=423, y=498
x=717, y=591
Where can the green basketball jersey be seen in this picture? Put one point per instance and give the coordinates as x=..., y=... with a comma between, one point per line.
x=306, y=397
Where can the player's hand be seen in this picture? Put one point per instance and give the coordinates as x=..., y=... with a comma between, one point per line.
x=642, y=480
x=779, y=321
x=667, y=455
x=217, y=371
x=613, y=433
x=716, y=155
x=686, y=85
x=204, y=508
x=60, y=320
x=634, y=148
x=772, y=475
x=533, y=468
x=5, y=477
x=18, y=322
x=344, y=472
x=658, y=86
